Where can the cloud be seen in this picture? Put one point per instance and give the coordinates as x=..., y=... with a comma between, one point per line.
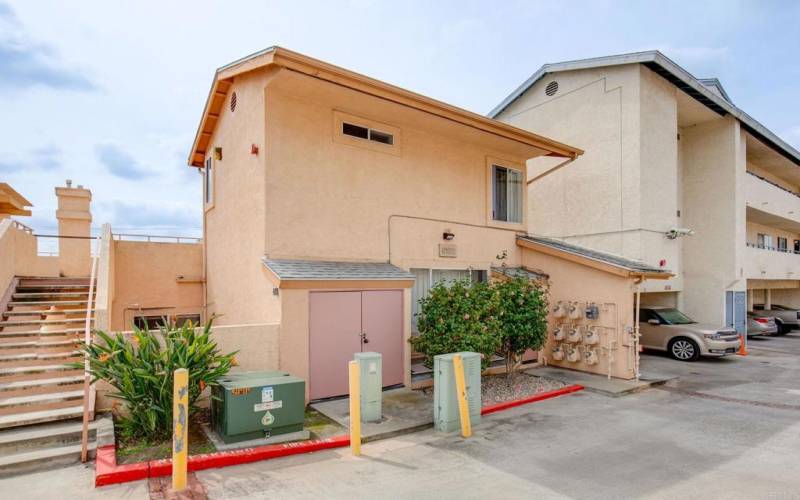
x=154, y=217
x=792, y=136
x=25, y=63
x=119, y=162
x=47, y=157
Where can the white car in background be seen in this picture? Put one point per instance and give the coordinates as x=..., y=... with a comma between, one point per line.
x=786, y=318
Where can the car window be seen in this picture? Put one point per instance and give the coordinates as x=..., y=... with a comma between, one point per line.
x=758, y=307
x=645, y=315
x=674, y=317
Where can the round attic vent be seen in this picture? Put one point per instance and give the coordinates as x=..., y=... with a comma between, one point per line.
x=551, y=88
x=233, y=102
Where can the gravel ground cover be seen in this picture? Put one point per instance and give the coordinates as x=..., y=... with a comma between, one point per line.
x=499, y=388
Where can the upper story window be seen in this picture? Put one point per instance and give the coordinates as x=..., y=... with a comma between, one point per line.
x=208, y=181
x=506, y=194
x=367, y=133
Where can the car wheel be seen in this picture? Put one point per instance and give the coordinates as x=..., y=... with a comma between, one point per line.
x=684, y=349
x=782, y=329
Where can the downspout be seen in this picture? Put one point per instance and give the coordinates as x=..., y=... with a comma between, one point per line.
x=637, y=303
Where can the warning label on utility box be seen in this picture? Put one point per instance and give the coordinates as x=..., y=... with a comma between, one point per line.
x=269, y=405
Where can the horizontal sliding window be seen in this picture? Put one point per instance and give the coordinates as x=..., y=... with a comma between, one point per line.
x=367, y=133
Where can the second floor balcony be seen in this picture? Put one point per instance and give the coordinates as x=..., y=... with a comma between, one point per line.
x=771, y=263
x=773, y=204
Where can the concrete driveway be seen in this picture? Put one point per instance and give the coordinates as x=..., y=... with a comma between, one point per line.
x=728, y=428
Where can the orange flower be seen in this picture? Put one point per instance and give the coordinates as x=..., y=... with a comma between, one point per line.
x=234, y=362
x=104, y=357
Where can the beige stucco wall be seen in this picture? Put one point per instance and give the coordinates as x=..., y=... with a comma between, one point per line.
x=713, y=156
x=624, y=192
x=18, y=256
x=146, y=280
x=613, y=294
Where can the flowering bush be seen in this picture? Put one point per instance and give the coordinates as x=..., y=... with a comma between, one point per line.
x=507, y=317
x=141, y=370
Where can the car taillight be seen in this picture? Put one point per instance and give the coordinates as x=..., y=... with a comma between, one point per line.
x=763, y=321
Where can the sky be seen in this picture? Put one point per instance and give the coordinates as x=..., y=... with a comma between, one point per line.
x=109, y=93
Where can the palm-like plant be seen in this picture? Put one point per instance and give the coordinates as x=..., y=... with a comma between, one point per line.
x=141, y=370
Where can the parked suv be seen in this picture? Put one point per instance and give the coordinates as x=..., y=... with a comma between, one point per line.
x=668, y=329
x=786, y=318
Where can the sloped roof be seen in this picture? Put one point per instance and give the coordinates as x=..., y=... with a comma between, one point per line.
x=312, y=270
x=669, y=70
x=520, y=272
x=13, y=203
x=281, y=57
x=632, y=267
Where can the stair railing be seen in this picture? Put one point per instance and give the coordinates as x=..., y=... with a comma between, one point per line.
x=87, y=379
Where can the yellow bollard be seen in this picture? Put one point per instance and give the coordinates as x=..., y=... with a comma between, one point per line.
x=461, y=388
x=355, y=409
x=180, y=435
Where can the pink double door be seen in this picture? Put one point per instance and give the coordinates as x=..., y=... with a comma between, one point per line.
x=344, y=323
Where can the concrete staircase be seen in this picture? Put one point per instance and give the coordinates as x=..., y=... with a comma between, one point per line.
x=40, y=331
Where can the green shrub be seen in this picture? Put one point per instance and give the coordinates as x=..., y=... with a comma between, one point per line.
x=141, y=370
x=520, y=309
x=506, y=318
x=456, y=317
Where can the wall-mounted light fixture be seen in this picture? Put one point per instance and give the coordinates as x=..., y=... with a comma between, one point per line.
x=448, y=235
x=218, y=154
x=678, y=231
x=253, y=149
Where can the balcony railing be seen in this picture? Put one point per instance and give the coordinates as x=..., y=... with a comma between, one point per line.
x=772, y=248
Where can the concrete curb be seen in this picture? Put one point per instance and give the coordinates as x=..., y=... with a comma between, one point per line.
x=505, y=405
x=108, y=472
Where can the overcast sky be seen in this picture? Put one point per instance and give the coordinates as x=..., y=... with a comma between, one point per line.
x=109, y=93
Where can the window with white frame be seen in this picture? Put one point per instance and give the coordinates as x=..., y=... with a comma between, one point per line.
x=783, y=244
x=208, y=181
x=506, y=194
x=425, y=279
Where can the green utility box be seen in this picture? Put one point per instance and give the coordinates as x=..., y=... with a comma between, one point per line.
x=371, y=388
x=253, y=405
x=445, y=399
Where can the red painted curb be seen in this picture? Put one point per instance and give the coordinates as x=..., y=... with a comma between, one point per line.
x=108, y=472
x=530, y=399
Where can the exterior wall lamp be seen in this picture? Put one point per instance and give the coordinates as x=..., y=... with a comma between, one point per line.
x=447, y=235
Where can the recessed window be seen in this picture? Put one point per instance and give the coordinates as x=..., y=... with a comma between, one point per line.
x=506, y=194
x=783, y=244
x=367, y=133
x=208, y=181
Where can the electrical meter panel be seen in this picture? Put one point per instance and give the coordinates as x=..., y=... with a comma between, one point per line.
x=558, y=353
x=560, y=332
x=573, y=354
x=560, y=310
x=592, y=336
x=575, y=334
x=590, y=356
x=575, y=310
x=592, y=312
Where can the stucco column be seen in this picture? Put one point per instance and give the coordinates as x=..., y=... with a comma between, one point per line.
x=74, y=228
x=767, y=299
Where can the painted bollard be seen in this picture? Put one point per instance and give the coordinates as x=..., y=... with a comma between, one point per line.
x=180, y=434
x=355, y=408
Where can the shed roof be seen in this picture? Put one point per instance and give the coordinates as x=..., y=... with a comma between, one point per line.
x=696, y=88
x=281, y=57
x=13, y=203
x=520, y=272
x=628, y=266
x=312, y=270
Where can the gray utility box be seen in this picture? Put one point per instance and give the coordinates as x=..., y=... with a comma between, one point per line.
x=371, y=377
x=254, y=405
x=445, y=400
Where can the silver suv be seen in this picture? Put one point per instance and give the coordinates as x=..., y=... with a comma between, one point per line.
x=786, y=318
x=668, y=329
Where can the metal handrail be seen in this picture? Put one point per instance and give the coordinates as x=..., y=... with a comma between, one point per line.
x=151, y=237
x=772, y=248
x=22, y=227
x=90, y=307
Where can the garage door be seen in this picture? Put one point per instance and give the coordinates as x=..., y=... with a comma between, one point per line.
x=343, y=323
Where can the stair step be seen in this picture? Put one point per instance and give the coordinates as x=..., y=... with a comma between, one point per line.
x=32, y=322
x=37, y=295
x=38, y=383
x=34, y=417
x=19, y=370
x=26, y=356
x=43, y=312
x=35, y=344
x=50, y=397
x=42, y=459
x=28, y=333
x=52, y=435
x=13, y=304
x=38, y=286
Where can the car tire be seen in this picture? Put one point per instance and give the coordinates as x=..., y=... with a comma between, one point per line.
x=782, y=329
x=684, y=349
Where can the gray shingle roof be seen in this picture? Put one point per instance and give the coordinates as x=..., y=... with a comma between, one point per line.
x=286, y=269
x=615, y=260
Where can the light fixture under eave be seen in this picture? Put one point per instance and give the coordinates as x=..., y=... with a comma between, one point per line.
x=448, y=235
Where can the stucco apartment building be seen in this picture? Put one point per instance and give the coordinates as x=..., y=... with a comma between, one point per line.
x=666, y=154
x=334, y=201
